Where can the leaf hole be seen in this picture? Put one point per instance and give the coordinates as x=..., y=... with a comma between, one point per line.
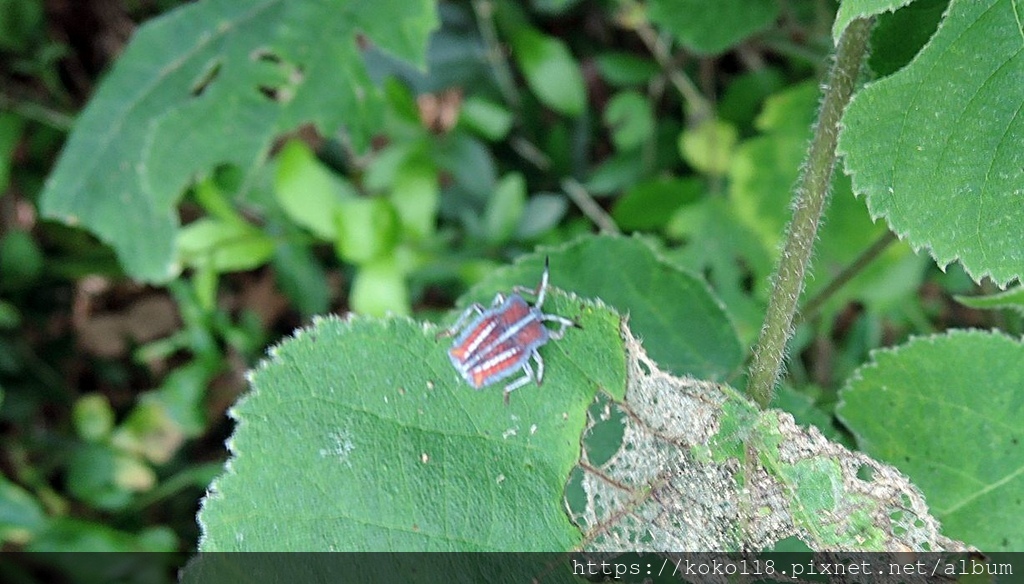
x=866, y=473
x=603, y=438
x=748, y=281
x=208, y=76
x=644, y=367
x=271, y=93
x=575, y=496
x=267, y=56
x=279, y=77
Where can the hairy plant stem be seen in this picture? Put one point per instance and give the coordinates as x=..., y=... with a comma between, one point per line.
x=808, y=205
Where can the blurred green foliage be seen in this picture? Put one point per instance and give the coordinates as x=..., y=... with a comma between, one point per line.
x=114, y=392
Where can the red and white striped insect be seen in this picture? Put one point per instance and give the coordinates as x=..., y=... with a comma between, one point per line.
x=502, y=339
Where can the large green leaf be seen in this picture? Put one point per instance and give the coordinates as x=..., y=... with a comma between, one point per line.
x=712, y=27
x=360, y=435
x=683, y=325
x=938, y=147
x=947, y=411
x=213, y=83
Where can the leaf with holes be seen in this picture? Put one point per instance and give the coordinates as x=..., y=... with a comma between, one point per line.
x=358, y=434
x=699, y=467
x=213, y=83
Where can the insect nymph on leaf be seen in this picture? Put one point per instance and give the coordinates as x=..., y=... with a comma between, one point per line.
x=502, y=339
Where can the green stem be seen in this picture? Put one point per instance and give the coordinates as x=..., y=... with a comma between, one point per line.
x=589, y=206
x=484, y=10
x=809, y=204
x=699, y=108
x=37, y=113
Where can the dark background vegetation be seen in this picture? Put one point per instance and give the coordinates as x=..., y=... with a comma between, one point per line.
x=115, y=391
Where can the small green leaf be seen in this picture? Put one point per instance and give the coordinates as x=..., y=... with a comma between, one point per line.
x=385, y=164
x=21, y=515
x=946, y=410
x=625, y=69
x=415, y=196
x=709, y=147
x=617, y=172
x=10, y=317
x=470, y=162
x=307, y=191
x=649, y=205
x=182, y=412
x=744, y=95
x=489, y=119
x=711, y=28
x=683, y=325
x=150, y=430
x=95, y=476
x=301, y=278
x=21, y=260
x=379, y=288
x=1012, y=299
x=550, y=71
x=210, y=195
x=505, y=208
x=21, y=26
x=381, y=446
x=75, y=535
x=367, y=228
x=93, y=417
x=543, y=212
x=11, y=126
x=938, y=147
x=223, y=246
x=629, y=117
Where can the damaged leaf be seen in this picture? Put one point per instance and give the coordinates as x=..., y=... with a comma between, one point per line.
x=701, y=468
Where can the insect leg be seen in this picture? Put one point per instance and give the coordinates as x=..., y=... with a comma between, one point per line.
x=473, y=309
x=565, y=322
x=541, y=288
x=540, y=366
x=526, y=378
